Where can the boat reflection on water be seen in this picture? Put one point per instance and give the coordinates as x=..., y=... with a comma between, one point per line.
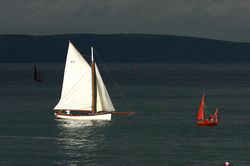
x=81, y=141
x=74, y=124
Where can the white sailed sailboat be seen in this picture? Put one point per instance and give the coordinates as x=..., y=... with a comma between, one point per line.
x=84, y=95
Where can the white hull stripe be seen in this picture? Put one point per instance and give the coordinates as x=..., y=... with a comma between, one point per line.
x=86, y=117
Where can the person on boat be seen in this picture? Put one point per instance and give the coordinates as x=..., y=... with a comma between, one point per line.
x=212, y=118
x=68, y=112
x=216, y=115
x=206, y=120
x=227, y=164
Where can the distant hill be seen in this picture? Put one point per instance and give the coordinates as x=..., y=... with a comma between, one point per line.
x=122, y=48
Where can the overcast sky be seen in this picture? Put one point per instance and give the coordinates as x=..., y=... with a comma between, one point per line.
x=215, y=19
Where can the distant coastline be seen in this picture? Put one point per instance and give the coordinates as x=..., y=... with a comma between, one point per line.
x=122, y=48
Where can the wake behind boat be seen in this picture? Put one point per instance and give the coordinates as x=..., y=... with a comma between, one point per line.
x=84, y=95
x=201, y=120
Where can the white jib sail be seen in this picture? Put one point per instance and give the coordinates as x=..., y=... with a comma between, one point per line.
x=104, y=102
x=76, y=89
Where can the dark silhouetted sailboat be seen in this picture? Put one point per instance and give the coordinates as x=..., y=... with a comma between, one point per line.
x=37, y=75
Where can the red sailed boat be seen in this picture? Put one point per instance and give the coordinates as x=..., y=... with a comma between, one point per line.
x=201, y=120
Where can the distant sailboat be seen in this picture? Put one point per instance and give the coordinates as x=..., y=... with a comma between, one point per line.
x=84, y=95
x=36, y=74
x=201, y=120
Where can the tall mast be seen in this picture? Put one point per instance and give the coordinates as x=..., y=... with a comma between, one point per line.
x=93, y=107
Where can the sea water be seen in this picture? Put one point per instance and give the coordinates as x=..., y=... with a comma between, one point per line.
x=163, y=131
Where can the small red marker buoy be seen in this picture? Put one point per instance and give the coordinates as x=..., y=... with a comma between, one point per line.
x=227, y=164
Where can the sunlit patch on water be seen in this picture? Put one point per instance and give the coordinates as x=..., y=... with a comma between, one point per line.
x=80, y=124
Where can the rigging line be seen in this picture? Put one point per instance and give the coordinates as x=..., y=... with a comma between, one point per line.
x=205, y=110
x=114, y=82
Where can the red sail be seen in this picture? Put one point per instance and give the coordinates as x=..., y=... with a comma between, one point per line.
x=200, y=114
x=216, y=115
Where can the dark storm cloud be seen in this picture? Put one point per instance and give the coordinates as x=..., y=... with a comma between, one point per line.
x=219, y=19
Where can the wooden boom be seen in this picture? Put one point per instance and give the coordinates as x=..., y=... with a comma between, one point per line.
x=123, y=113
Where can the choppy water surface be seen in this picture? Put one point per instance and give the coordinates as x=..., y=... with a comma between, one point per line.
x=163, y=131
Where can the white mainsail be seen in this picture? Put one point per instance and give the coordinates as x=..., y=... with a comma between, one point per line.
x=77, y=86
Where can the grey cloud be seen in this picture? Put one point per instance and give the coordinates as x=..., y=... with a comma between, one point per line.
x=219, y=19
